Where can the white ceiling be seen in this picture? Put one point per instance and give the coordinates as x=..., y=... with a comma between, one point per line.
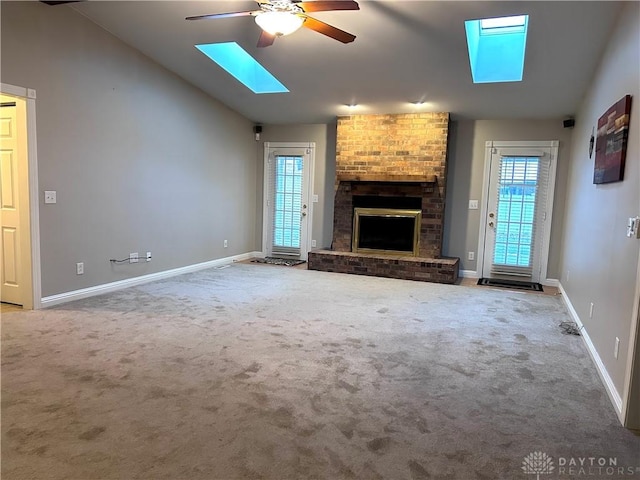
x=404, y=51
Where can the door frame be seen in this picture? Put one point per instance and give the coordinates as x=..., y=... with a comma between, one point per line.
x=484, y=209
x=34, y=300
x=265, y=192
x=630, y=412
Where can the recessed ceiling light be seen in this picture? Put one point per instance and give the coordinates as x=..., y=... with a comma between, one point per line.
x=242, y=66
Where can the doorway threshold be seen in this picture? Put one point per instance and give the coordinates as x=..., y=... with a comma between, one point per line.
x=495, y=282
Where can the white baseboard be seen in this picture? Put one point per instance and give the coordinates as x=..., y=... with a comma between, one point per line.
x=550, y=282
x=614, y=396
x=131, y=282
x=468, y=274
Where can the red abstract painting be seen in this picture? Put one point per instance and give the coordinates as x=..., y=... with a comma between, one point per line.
x=611, y=142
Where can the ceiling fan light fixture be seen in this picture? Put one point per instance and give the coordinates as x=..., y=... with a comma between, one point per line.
x=279, y=23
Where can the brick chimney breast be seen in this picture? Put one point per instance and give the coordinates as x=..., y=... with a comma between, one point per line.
x=406, y=145
x=392, y=155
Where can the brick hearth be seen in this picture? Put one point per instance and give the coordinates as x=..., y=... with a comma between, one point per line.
x=441, y=270
x=391, y=156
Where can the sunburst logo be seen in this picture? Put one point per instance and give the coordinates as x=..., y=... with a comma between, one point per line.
x=538, y=463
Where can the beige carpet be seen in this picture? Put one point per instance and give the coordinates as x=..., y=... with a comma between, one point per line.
x=258, y=371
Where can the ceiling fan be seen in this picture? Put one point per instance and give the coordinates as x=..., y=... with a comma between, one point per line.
x=283, y=17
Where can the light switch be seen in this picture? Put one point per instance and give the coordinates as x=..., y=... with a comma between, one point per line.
x=50, y=196
x=315, y=199
x=473, y=204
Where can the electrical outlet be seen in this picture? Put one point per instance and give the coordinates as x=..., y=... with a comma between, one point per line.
x=471, y=255
x=80, y=268
x=616, y=348
x=50, y=196
x=473, y=204
x=226, y=244
x=133, y=257
x=313, y=243
x=148, y=256
x=591, y=310
x=568, y=275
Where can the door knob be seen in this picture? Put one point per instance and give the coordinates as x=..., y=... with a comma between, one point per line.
x=491, y=224
x=304, y=214
x=304, y=206
x=491, y=215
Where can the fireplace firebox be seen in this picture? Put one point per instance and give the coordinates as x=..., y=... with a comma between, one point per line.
x=386, y=231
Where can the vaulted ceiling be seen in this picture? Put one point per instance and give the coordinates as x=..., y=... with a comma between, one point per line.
x=405, y=51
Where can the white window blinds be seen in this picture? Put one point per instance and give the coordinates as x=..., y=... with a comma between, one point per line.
x=287, y=176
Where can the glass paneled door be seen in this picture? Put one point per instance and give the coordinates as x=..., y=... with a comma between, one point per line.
x=516, y=213
x=287, y=201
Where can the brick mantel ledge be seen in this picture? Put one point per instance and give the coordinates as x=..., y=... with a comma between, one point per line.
x=377, y=177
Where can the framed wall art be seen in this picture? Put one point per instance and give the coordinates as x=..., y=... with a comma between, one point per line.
x=611, y=142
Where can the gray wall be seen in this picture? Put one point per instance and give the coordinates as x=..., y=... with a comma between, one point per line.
x=465, y=170
x=141, y=160
x=464, y=177
x=599, y=262
x=324, y=137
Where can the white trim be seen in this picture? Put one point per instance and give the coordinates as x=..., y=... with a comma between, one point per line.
x=34, y=205
x=290, y=144
x=468, y=274
x=152, y=277
x=484, y=201
x=266, y=182
x=551, y=189
x=631, y=403
x=522, y=143
x=609, y=386
x=490, y=145
x=633, y=355
x=265, y=202
x=550, y=282
x=13, y=90
x=310, y=193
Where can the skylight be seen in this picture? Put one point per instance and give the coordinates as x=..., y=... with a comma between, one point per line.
x=501, y=23
x=496, y=48
x=236, y=61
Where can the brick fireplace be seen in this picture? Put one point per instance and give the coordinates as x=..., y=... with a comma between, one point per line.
x=391, y=159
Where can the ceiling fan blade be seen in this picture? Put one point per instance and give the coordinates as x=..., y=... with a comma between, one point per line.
x=328, y=5
x=224, y=15
x=328, y=30
x=266, y=39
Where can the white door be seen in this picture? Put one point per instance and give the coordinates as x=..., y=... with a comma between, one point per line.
x=14, y=206
x=518, y=212
x=287, y=210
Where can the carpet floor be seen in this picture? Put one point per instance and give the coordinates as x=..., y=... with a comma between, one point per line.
x=263, y=372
